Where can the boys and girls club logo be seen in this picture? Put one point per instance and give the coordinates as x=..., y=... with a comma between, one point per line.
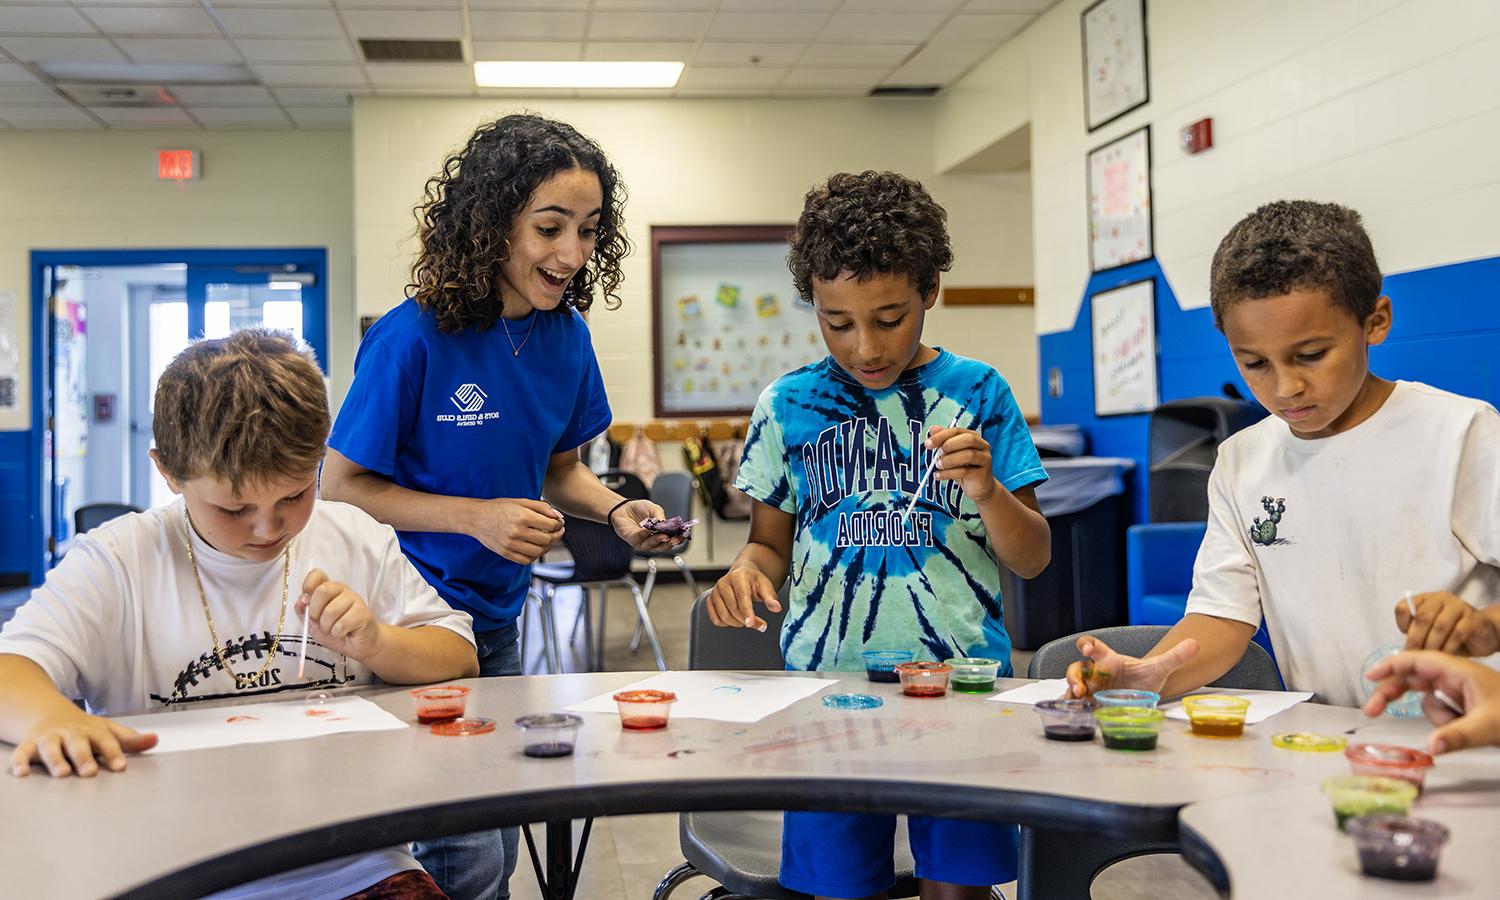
x=469, y=400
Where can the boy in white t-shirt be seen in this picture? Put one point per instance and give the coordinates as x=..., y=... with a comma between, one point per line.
x=1353, y=492
x=202, y=599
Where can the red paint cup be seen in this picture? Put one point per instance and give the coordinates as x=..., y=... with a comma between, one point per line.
x=440, y=703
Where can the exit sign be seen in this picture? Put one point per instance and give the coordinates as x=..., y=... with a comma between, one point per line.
x=178, y=165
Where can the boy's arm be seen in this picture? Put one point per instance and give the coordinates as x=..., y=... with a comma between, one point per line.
x=1018, y=530
x=47, y=727
x=1195, y=652
x=757, y=572
x=421, y=655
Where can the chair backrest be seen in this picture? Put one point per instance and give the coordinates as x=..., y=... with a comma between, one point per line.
x=673, y=492
x=1255, y=671
x=598, y=553
x=92, y=515
x=627, y=484
x=712, y=647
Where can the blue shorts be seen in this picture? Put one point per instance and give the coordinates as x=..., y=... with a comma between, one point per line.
x=839, y=854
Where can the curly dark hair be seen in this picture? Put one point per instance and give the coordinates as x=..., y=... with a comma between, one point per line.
x=873, y=223
x=472, y=203
x=1296, y=245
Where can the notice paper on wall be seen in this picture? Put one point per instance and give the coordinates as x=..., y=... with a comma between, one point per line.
x=721, y=696
x=260, y=723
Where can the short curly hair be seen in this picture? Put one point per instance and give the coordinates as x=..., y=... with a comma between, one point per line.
x=471, y=205
x=250, y=408
x=1296, y=245
x=873, y=223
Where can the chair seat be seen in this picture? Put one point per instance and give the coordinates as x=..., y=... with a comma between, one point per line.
x=555, y=573
x=742, y=852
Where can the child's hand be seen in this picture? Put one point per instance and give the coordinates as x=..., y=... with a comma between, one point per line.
x=1445, y=622
x=1103, y=668
x=1475, y=687
x=68, y=742
x=627, y=524
x=732, y=603
x=964, y=457
x=518, y=530
x=338, y=617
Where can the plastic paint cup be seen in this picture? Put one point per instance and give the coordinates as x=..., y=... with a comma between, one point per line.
x=924, y=679
x=1147, y=699
x=1390, y=761
x=1216, y=715
x=880, y=665
x=1129, y=727
x=440, y=703
x=1409, y=704
x=1067, y=720
x=1353, y=796
x=549, y=735
x=1307, y=742
x=1398, y=848
x=974, y=674
x=644, y=710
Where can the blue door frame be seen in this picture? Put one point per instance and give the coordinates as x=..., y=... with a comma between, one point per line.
x=314, y=332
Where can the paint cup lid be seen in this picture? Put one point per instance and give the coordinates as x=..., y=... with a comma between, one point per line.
x=464, y=727
x=852, y=701
x=1307, y=742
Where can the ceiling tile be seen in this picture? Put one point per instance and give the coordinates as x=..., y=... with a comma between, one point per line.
x=527, y=26
x=818, y=93
x=530, y=4
x=922, y=76
x=803, y=76
x=293, y=23
x=46, y=117
x=766, y=26
x=899, y=6
x=867, y=56
x=400, y=4
x=949, y=55
x=42, y=20
x=152, y=21
x=29, y=94
x=10, y=73
x=413, y=75
x=240, y=116
x=62, y=49
x=430, y=91
x=628, y=51
x=273, y=50
x=981, y=28
x=731, y=78
x=708, y=5
x=1008, y=6
x=765, y=6
x=297, y=4
x=310, y=76
x=314, y=97
x=726, y=53
x=880, y=27
x=439, y=24
x=322, y=118
x=648, y=26
x=528, y=50
x=153, y=117
x=178, y=50
x=221, y=94
x=708, y=93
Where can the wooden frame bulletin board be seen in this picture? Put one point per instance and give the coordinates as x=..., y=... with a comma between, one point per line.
x=725, y=318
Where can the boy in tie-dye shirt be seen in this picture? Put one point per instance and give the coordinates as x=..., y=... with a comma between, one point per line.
x=836, y=450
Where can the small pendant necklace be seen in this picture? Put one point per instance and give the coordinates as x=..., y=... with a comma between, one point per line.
x=514, y=347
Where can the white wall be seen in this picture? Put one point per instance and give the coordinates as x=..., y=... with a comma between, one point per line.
x=1384, y=105
x=65, y=190
x=688, y=162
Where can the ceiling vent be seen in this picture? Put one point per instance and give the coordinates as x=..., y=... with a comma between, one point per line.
x=378, y=50
x=922, y=90
x=129, y=95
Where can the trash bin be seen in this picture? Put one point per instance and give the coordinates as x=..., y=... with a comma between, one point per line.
x=1083, y=586
x=1184, y=442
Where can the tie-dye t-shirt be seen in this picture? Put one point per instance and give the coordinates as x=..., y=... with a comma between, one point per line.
x=838, y=456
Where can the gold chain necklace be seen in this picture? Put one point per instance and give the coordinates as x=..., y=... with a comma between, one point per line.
x=515, y=350
x=240, y=680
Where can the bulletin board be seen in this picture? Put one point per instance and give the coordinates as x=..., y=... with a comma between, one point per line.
x=726, y=319
x=1120, y=225
x=1115, y=79
x=1124, y=349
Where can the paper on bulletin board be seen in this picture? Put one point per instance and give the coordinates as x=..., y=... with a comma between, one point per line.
x=1124, y=349
x=1114, y=49
x=1120, y=202
x=10, y=352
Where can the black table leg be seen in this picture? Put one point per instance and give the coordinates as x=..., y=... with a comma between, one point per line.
x=559, y=879
x=1060, y=865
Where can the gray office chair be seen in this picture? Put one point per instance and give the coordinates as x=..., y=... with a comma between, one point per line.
x=673, y=492
x=1060, y=863
x=92, y=515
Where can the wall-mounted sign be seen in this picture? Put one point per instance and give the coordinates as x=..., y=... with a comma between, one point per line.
x=178, y=165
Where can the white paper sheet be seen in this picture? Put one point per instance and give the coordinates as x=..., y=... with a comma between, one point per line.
x=1263, y=704
x=721, y=696
x=258, y=723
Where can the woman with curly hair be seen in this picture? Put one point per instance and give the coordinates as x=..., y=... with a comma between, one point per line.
x=471, y=398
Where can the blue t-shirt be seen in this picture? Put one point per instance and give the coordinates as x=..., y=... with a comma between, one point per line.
x=838, y=456
x=463, y=415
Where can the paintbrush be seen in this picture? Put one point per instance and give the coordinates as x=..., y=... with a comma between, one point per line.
x=917, y=495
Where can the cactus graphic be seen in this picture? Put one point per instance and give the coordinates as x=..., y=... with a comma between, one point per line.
x=1264, y=533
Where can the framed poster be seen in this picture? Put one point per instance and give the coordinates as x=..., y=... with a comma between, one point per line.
x=725, y=318
x=1120, y=227
x=1124, y=349
x=1114, y=60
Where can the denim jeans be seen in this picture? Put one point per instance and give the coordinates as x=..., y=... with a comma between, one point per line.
x=478, y=866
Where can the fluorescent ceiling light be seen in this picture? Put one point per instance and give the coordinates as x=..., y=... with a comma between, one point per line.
x=577, y=74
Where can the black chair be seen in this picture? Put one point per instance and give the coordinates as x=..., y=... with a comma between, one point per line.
x=1066, y=862
x=600, y=561
x=742, y=850
x=673, y=492
x=91, y=515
